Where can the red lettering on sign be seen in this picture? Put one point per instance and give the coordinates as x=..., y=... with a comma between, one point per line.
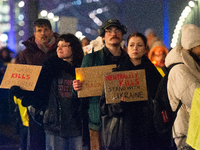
x=136, y=80
x=120, y=82
x=13, y=75
x=22, y=76
x=28, y=76
x=19, y=76
x=109, y=77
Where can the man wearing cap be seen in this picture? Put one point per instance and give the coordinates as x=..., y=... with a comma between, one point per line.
x=112, y=33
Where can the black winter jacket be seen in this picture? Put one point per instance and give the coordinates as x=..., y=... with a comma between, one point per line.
x=138, y=128
x=64, y=115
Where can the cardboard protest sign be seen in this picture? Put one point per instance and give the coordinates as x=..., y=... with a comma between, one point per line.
x=128, y=84
x=92, y=79
x=25, y=76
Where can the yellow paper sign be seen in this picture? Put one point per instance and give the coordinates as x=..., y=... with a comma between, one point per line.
x=25, y=76
x=92, y=80
x=130, y=85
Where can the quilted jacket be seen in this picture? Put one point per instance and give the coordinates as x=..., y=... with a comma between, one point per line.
x=182, y=82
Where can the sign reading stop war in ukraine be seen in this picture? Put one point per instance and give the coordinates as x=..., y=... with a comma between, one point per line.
x=128, y=84
x=25, y=76
x=92, y=79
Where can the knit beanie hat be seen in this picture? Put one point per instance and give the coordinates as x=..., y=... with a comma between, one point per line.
x=190, y=36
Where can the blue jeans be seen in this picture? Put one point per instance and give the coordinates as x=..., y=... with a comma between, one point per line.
x=59, y=143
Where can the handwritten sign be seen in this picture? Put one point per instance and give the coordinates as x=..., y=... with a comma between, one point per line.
x=92, y=80
x=128, y=84
x=87, y=49
x=25, y=76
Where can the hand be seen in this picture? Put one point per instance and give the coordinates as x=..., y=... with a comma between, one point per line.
x=77, y=85
x=123, y=99
x=16, y=91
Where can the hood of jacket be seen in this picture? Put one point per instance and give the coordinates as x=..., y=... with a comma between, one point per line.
x=178, y=54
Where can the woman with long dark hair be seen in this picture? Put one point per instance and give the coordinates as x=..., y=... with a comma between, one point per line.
x=137, y=129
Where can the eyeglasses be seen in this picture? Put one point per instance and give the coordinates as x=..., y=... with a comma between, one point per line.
x=115, y=31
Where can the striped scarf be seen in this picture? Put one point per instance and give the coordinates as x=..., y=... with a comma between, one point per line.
x=45, y=46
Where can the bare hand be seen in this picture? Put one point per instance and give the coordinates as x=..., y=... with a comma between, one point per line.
x=77, y=85
x=123, y=99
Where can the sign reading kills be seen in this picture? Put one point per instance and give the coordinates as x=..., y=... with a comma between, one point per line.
x=130, y=85
x=92, y=79
x=25, y=76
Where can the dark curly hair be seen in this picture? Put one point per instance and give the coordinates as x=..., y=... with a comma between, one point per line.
x=77, y=51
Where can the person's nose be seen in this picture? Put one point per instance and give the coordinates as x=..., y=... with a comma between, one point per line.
x=59, y=47
x=42, y=32
x=135, y=47
x=114, y=32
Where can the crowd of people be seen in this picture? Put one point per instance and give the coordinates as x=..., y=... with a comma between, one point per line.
x=54, y=118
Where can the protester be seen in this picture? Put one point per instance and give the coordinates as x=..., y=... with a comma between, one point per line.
x=183, y=80
x=138, y=129
x=38, y=47
x=63, y=113
x=157, y=55
x=112, y=33
x=5, y=58
x=85, y=41
x=151, y=37
x=4, y=107
x=5, y=55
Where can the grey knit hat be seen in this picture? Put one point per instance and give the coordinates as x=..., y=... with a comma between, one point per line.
x=190, y=36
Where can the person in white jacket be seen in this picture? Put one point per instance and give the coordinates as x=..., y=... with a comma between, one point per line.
x=183, y=80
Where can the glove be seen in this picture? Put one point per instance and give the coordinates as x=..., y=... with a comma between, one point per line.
x=16, y=91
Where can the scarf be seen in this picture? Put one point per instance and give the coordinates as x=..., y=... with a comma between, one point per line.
x=45, y=46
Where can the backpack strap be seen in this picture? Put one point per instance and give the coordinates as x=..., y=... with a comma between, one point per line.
x=180, y=103
x=166, y=69
x=172, y=65
x=179, y=106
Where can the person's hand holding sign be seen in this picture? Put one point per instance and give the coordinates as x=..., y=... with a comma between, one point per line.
x=123, y=99
x=77, y=85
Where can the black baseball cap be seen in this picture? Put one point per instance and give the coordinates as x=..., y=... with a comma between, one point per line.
x=116, y=23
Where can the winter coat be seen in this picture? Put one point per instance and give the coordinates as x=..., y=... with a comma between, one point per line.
x=182, y=81
x=97, y=58
x=33, y=55
x=63, y=114
x=138, y=127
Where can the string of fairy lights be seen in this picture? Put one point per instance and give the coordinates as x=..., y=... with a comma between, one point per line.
x=180, y=22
